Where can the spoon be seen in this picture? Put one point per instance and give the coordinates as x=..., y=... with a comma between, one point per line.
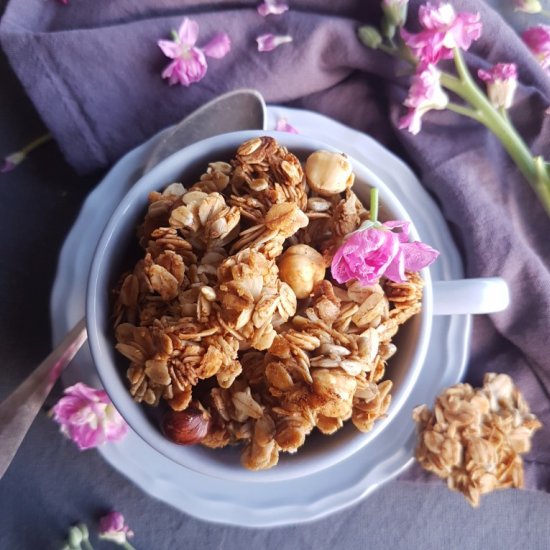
x=237, y=110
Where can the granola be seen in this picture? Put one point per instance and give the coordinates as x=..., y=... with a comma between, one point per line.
x=474, y=438
x=230, y=309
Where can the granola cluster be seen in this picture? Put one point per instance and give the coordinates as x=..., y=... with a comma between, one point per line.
x=209, y=316
x=474, y=438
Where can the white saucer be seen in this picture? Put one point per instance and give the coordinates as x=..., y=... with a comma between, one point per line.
x=260, y=504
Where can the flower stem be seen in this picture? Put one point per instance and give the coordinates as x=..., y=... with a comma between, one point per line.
x=127, y=546
x=462, y=110
x=87, y=544
x=483, y=111
x=373, y=204
x=36, y=143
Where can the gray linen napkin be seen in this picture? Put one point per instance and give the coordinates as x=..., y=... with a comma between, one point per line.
x=93, y=69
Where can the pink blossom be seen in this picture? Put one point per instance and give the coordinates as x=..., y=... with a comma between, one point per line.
x=425, y=94
x=537, y=39
x=380, y=250
x=268, y=42
x=113, y=528
x=272, y=7
x=502, y=81
x=443, y=31
x=284, y=126
x=189, y=62
x=88, y=417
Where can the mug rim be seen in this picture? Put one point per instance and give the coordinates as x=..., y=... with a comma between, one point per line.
x=98, y=326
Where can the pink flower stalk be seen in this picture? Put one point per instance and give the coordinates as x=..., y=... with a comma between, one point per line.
x=425, y=94
x=283, y=126
x=443, y=31
x=268, y=42
x=380, y=250
x=527, y=6
x=537, y=39
x=113, y=528
x=88, y=417
x=502, y=81
x=272, y=7
x=189, y=62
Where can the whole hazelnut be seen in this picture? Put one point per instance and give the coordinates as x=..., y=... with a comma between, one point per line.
x=301, y=267
x=329, y=173
x=187, y=427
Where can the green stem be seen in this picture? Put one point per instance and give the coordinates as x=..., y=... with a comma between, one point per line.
x=36, y=143
x=373, y=204
x=464, y=111
x=127, y=546
x=467, y=89
x=87, y=544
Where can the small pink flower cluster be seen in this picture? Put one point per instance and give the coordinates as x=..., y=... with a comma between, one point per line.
x=443, y=31
x=189, y=61
x=88, y=417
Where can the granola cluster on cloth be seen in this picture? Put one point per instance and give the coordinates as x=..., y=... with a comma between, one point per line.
x=474, y=438
x=230, y=308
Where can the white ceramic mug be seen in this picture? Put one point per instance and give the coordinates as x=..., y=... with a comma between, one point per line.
x=319, y=452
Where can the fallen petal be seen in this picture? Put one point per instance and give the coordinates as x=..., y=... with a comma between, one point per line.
x=218, y=46
x=268, y=42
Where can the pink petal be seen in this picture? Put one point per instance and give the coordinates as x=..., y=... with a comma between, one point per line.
x=402, y=228
x=170, y=48
x=283, y=126
x=268, y=42
x=218, y=46
x=364, y=255
x=188, y=32
x=272, y=7
x=418, y=255
x=396, y=270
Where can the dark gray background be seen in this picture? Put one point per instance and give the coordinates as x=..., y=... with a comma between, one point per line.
x=51, y=485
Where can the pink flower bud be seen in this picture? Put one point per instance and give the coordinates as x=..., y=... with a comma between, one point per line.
x=501, y=82
x=537, y=39
x=113, y=528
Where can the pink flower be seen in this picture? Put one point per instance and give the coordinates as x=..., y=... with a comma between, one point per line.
x=88, y=417
x=272, y=7
x=113, y=528
x=537, y=39
x=425, y=94
x=268, y=42
x=284, y=126
x=502, y=81
x=443, y=31
x=189, y=63
x=380, y=250
x=527, y=6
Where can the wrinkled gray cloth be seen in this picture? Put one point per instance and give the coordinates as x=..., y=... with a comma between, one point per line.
x=93, y=70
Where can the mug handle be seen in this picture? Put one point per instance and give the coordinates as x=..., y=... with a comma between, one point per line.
x=466, y=296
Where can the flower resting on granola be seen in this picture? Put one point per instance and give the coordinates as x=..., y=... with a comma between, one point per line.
x=221, y=315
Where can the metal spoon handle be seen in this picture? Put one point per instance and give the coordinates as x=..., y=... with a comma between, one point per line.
x=18, y=410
